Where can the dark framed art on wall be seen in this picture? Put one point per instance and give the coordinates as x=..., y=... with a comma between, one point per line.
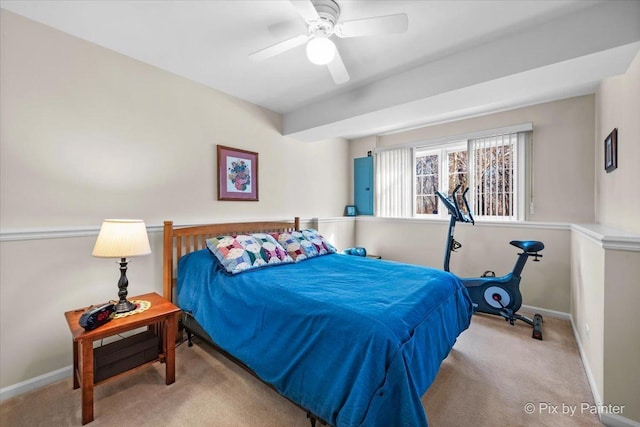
x=237, y=174
x=611, y=151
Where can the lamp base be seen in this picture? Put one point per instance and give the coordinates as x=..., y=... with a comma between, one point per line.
x=124, y=306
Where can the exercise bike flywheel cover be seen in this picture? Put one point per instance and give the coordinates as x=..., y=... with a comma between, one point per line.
x=505, y=298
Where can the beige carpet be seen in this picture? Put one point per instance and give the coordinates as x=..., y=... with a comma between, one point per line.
x=493, y=371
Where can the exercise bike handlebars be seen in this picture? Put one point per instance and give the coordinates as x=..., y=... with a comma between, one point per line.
x=466, y=205
x=454, y=208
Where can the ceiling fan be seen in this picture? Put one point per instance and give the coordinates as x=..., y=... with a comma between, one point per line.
x=321, y=17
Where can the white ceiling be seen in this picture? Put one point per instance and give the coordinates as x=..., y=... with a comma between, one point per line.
x=458, y=58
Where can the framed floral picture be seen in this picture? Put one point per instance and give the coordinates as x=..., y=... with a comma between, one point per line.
x=237, y=174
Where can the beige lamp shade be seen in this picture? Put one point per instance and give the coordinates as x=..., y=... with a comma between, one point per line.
x=122, y=238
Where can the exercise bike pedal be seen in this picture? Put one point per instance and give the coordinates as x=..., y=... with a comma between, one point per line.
x=537, y=327
x=508, y=315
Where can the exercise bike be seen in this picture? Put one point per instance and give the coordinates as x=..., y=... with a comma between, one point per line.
x=499, y=296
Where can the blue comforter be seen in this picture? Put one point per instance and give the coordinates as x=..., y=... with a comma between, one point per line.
x=354, y=340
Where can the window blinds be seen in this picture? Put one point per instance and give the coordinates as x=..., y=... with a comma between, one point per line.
x=393, y=182
x=495, y=175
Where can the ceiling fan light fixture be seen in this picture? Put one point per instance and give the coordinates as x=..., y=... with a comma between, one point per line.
x=320, y=50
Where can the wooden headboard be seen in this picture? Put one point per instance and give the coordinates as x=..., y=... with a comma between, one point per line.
x=179, y=241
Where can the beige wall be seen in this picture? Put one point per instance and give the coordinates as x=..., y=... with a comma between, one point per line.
x=605, y=292
x=341, y=232
x=622, y=332
x=618, y=192
x=587, y=295
x=563, y=157
x=604, y=300
x=88, y=134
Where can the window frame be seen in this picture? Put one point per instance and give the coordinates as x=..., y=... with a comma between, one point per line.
x=443, y=170
x=442, y=149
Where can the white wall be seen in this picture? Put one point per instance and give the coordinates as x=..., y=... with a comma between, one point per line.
x=618, y=192
x=87, y=134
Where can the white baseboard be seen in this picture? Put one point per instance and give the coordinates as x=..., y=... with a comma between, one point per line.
x=587, y=369
x=35, y=383
x=610, y=420
x=545, y=312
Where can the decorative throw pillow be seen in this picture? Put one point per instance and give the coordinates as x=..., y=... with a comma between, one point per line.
x=296, y=245
x=247, y=252
x=273, y=250
x=304, y=244
x=321, y=244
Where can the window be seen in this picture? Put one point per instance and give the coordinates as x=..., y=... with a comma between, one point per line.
x=494, y=176
x=491, y=166
x=427, y=182
x=438, y=168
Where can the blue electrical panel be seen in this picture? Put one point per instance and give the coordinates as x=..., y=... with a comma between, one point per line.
x=363, y=185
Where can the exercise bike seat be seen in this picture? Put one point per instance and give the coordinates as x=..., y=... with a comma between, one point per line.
x=528, y=246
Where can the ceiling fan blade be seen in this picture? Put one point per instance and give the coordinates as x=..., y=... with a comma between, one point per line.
x=338, y=70
x=306, y=9
x=278, y=48
x=387, y=24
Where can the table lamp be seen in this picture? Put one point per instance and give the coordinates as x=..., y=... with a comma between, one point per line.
x=122, y=238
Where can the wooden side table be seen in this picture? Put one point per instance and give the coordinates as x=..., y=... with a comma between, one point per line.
x=161, y=317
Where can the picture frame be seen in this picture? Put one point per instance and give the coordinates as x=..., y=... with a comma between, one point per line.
x=611, y=151
x=237, y=174
x=350, y=210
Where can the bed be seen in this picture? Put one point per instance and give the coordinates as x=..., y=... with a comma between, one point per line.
x=352, y=340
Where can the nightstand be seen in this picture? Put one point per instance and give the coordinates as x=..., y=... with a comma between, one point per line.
x=161, y=320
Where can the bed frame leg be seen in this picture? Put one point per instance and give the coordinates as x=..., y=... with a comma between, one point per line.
x=189, y=337
x=312, y=419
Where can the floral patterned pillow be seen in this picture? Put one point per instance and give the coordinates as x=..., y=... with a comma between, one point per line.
x=247, y=252
x=296, y=245
x=304, y=244
x=321, y=244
